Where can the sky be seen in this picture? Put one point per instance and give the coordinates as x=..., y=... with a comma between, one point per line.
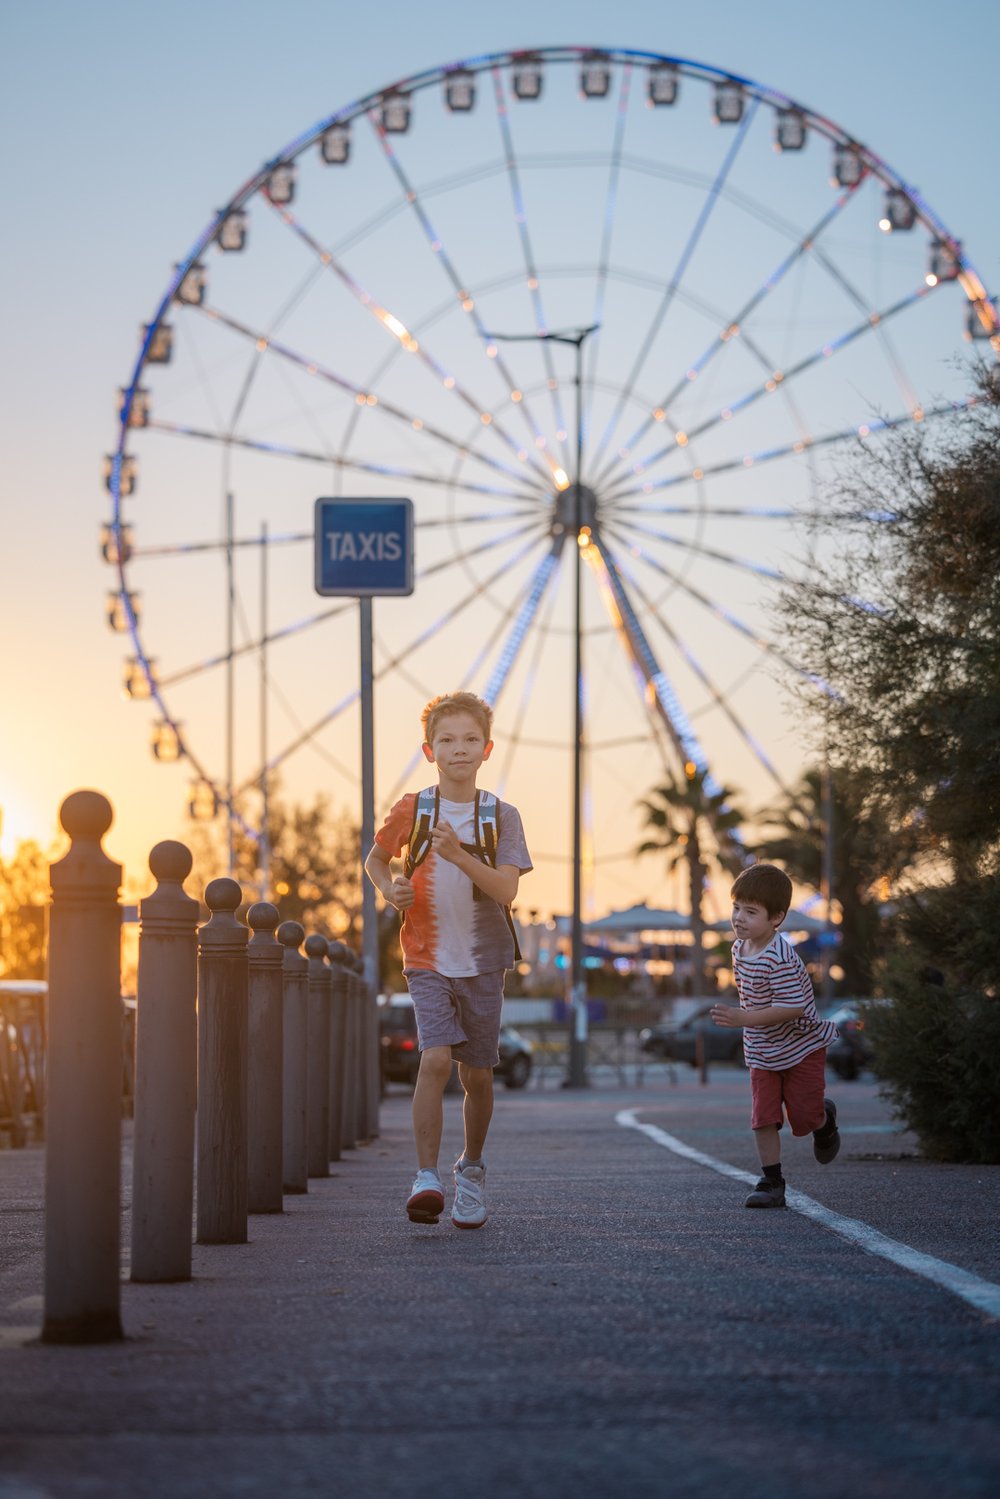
x=132, y=123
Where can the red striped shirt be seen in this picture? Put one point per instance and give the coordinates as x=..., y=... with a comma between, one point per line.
x=777, y=976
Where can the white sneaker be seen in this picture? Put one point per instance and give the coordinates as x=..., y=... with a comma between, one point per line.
x=425, y=1203
x=469, y=1209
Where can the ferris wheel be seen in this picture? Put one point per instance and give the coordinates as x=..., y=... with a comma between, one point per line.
x=592, y=310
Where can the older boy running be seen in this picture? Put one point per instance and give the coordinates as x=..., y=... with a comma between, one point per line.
x=465, y=855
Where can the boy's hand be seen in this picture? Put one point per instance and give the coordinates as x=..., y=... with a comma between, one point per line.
x=445, y=842
x=730, y=1016
x=401, y=894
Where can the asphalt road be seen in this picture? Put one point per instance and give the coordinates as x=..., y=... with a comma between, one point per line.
x=622, y=1327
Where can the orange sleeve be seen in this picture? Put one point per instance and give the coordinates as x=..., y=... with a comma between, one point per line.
x=394, y=834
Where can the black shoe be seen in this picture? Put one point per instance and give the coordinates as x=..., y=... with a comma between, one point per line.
x=826, y=1141
x=767, y=1194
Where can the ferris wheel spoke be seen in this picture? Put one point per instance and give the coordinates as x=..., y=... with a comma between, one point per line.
x=714, y=692
x=199, y=668
x=693, y=371
x=362, y=397
x=332, y=460
x=525, y=616
x=515, y=738
x=742, y=564
x=462, y=289
x=677, y=277
x=781, y=379
x=607, y=232
x=801, y=445
x=725, y=616
x=397, y=328
x=240, y=543
x=528, y=254
x=625, y=620
x=472, y=671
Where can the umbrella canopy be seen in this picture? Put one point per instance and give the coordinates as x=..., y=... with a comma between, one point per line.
x=641, y=918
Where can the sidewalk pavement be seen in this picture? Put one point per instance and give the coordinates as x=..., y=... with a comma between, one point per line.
x=621, y=1327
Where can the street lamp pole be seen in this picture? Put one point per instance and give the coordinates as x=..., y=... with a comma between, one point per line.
x=576, y=1074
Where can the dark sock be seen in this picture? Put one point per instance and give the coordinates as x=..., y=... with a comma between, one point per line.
x=825, y=1130
x=773, y=1173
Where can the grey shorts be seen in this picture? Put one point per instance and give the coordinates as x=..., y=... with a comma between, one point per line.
x=462, y=1013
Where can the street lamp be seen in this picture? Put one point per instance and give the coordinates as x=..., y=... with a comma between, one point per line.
x=576, y=1075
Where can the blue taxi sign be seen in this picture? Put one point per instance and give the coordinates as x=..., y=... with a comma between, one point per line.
x=363, y=548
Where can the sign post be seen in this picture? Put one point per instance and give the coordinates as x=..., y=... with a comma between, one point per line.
x=364, y=549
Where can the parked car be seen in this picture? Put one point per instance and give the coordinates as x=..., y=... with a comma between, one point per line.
x=676, y=1041
x=400, y=1054
x=853, y=1048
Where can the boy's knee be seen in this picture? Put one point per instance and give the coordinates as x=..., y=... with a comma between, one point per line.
x=435, y=1063
x=475, y=1079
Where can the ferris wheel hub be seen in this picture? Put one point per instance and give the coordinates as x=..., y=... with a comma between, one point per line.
x=566, y=518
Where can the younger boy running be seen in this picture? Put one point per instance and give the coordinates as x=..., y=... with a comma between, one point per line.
x=465, y=855
x=784, y=1040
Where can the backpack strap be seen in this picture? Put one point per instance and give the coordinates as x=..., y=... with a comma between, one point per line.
x=426, y=811
x=487, y=839
x=487, y=827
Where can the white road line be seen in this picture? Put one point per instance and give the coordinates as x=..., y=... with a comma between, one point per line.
x=984, y=1295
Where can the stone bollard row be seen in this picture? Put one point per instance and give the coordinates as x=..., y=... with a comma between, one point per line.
x=84, y=1084
x=295, y=1039
x=166, y=1073
x=255, y=1067
x=265, y=1164
x=223, y=1047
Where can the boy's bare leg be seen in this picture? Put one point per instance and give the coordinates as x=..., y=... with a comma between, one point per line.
x=428, y=1112
x=768, y=1141
x=477, y=1110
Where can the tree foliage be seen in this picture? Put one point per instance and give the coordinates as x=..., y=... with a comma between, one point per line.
x=904, y=628
x=24, y=895
x=867, y=853
x=903, y=631
x=314, y=865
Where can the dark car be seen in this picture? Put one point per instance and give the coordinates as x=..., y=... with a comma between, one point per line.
x=400, y=1053
x=853, y=1050
x=678, y=1041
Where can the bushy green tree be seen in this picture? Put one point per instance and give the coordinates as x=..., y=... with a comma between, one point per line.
x=867, y=855
x=903, y=631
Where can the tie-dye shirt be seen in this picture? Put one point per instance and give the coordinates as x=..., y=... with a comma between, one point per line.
x=451, y=928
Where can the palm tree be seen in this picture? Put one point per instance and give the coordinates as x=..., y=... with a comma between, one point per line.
x=866, y=853
x=695, y=827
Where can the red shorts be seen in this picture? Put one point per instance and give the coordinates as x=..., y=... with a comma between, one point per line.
x=798, y=1091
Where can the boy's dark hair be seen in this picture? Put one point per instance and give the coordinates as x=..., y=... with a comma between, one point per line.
x=456, y=702
x=764, y=885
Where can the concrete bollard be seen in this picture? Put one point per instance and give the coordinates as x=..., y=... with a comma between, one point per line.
x=265, y=1064
x=295, y=1040
x=338, y=1048
x=348, y=1096
x=359, y=991
x=82, y=1165
x=318, y=1087
x=166, y=1072
x=222, y=1069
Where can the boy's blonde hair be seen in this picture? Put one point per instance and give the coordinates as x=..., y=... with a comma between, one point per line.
x=456, y=702
x=764, y=885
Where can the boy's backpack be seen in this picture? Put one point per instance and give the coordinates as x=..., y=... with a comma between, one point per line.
x=487, y=835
